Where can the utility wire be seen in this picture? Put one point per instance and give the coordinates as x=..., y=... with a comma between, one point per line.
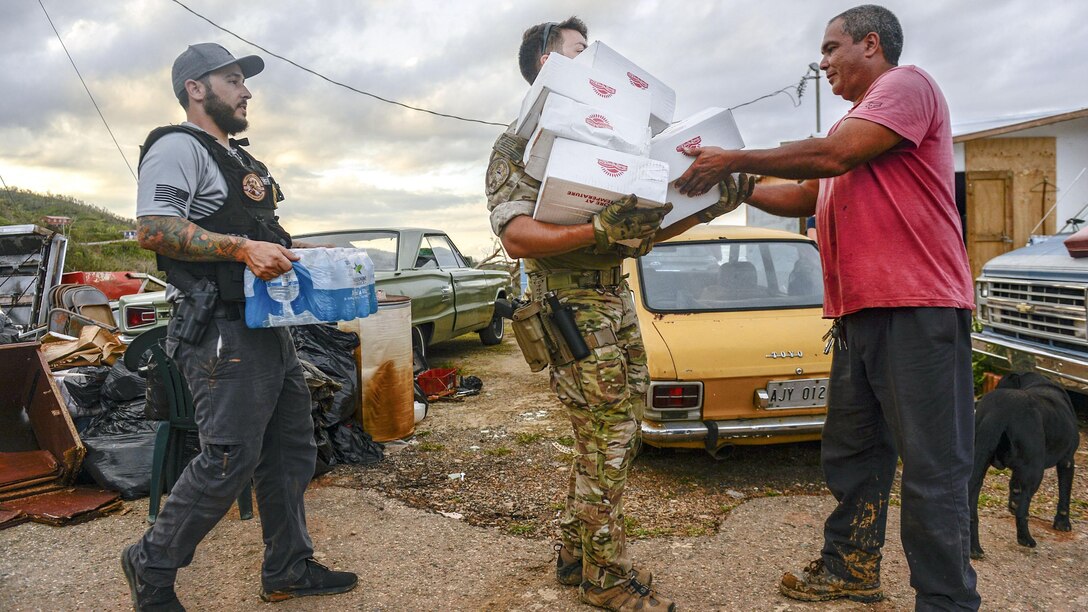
x=88, y=89
x=335, y=82
x=4, y=182
x=799, y=88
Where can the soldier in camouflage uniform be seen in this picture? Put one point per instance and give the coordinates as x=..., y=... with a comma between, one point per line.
x=605, y=392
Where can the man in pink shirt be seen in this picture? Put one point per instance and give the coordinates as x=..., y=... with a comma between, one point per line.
x=898, y=286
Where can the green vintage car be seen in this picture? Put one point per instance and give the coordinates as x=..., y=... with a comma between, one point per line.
x=449, y=298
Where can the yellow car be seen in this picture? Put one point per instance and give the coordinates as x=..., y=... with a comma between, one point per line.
x=731, y=318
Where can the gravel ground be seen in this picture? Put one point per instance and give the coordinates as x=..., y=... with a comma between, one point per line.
x=461, y=516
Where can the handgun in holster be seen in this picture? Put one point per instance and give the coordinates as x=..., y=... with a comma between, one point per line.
x=194, y=312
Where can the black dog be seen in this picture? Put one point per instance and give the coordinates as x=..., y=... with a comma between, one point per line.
x=1026, y=424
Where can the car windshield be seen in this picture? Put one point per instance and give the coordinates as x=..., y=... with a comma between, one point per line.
x=380, y=246
x=731, y=275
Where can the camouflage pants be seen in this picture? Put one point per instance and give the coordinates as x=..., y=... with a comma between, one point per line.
x=605, y=394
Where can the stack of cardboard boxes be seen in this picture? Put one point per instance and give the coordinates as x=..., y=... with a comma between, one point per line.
x=600, y=127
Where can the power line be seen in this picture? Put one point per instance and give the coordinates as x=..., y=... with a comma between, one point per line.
x=335, y=82
x=4, y=182
x=88, y=89
x=799, y=88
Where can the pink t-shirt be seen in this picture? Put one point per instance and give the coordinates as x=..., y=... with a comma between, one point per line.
x=888, y=230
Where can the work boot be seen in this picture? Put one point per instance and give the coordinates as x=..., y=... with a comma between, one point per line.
x=568, y=569
x=629, y=596
x=316, y=580
x=147, y=597
x=817, y=583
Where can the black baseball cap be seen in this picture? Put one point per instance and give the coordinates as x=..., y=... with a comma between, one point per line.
x=202, y=58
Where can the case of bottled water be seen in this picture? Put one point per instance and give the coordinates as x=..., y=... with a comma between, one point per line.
x=324, y=285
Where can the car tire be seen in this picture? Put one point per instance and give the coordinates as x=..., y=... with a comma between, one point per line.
x=493, y=333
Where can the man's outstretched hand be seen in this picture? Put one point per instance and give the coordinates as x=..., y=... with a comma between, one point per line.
x=711, y=165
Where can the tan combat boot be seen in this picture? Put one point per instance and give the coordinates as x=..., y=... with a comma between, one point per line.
x=568, y=569
x=630, y=596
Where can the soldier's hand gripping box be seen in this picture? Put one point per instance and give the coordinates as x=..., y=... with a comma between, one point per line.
x=565, y=118
x=581, y=83
x=631, y=76
x=581, y=179
x=711, y=127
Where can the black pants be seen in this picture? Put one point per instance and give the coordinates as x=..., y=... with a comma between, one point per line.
x=253, y=415
x=902, y=388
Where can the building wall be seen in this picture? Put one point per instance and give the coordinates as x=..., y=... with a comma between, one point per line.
x=1071, y=138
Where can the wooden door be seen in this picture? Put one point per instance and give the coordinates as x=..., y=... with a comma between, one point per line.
x=989, y=216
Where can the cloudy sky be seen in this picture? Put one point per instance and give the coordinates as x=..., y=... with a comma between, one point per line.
x=347, y=160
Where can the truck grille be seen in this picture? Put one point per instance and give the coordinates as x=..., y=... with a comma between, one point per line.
x=1047, y=313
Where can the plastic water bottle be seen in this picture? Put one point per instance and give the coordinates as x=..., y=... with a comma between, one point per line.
x=372, y=289
x=284, y=289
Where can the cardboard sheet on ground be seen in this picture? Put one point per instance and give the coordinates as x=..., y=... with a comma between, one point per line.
x=65, y=507
x=94, y=346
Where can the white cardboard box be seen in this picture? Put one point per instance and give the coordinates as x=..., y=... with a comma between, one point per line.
x=711, y=127
x=565, y=118
x=581, y=83
x=581, y=179
x=663, y=98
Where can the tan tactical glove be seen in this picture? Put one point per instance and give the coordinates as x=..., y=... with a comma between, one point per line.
x=644, y=246
x=621, y=221
x=734, y=193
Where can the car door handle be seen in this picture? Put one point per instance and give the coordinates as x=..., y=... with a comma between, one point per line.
x=446, y=294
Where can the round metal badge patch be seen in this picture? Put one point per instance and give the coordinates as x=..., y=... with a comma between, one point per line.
x=253, y=187
x=497, y=175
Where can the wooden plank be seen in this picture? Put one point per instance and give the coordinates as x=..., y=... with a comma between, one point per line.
x=1033, y=165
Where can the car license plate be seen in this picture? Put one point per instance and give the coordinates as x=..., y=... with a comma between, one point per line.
x=802, y=393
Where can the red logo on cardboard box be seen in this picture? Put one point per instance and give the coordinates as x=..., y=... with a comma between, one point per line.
x=637, y=82
x=598, y=121
x=694, y=142
x=602, y=90
x=611, y=168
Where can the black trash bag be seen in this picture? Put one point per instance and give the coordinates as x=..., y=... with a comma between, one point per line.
x=469, y=385
x=157, y=407
x=122, y=385
x=419, y=395
x=84, y=386
x=326, y=456
x=120, y=418
x=333, y=352
x=121, y=462
x=353, y=445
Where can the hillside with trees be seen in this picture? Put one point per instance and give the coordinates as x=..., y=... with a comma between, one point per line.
x=95, y=235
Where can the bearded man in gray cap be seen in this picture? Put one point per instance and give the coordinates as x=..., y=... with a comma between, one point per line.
x=207, y=209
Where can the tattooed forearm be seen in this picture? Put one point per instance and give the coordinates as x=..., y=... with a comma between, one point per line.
x=182, y=239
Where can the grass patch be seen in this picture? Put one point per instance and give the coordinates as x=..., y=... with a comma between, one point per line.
x=526, y=437
x=566, y=441
x=769, y=492
x=985, y=500
x=521, y=529
x=634, y=530
x=428, y=447
x=501, y=451
x=423, y=434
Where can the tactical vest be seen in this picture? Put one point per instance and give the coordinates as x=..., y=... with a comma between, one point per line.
x=248, y=211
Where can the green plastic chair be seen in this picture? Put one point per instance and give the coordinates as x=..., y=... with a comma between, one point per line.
x=169, y=459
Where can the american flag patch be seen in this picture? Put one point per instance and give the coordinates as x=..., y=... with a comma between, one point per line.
x=171, y=195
